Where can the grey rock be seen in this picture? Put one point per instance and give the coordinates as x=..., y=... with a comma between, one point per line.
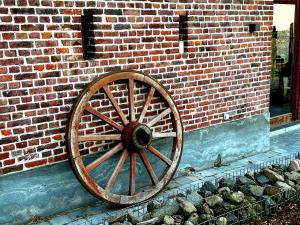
x=132, y=218
x=213, y=200
x=186, y=207
x=122, y=223
x=188, y=223
x=206, y=194
x=245, y=189
x=221, y=221
x=235, y=197
x=294, y=165
x=194, y=218
x=231, y=219
x=149, y=222
x=297, y=187
x=271, y=190
x=166, y=209
x=227, y=183
x=269, y=202
x=283, y=186
x=168, y=220
x=223, y=191
x=242, y=180
x=178, y=219
x=118, y=218
x=208, y=186
x=195, y=198
x=153, y=205
x=206, y=217
x=228, y=206
x=291, y=183
x=262, y=179
x=207, y=210
x=273, y=176
x=256, y=190
x=293, y=176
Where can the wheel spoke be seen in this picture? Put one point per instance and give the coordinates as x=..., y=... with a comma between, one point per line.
x=115, y=104
x=147, y=103
x=162, y=135
x=132, y=173
x=103, y=117
x=148, y=166
x=159, y=155
x=159, y=117
x=117, y=170
x=131, y=100
x=104, y=157
x=108, y=137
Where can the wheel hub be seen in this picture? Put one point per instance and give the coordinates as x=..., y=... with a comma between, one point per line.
x=136, y=136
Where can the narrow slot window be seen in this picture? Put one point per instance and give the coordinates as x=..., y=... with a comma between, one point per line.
x=88, y=36
x=183, y=33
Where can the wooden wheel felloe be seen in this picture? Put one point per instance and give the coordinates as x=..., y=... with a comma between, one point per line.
x=131, y=139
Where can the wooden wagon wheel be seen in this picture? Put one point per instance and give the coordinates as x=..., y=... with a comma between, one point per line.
x=133, y=138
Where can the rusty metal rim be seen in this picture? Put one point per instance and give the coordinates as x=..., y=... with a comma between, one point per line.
x=72, y=139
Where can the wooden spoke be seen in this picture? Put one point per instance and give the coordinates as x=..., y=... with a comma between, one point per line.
x=104, y=157
x=159, y=117
x=132, y=173
x=115, y=104
x=117, y=170
x=159, y=155
x=103, y=117
x=147, y=103
x=148, y=166
x=107, y=137
x=162, y=135
x=131, y=100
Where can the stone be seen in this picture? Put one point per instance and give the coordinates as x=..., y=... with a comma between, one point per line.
x=228, y=206
x=208, y=186
x=195, y=198
x=242, y=180
x=227, y=183
x=283, y=186
x=147, y=216
x=279, y=168
x=291, y=183
x=297, y=187
x=294, y=165
x=293, y=176
x=206, y=194
x=186, y=207
x=256, y=190
x=207, y=210
x=271, y=190
x=262, y=179
x=223, y=191
x=149, y=222
x=118, y=218
x=273, y=176
x=194, y=218
x=166, y=209
x=178, y=219
x=153, y=205
x=245, y=189
x=235, y=198
x=221, y=221
x=232, y=219
x=122, y=223
x=188, y=223
x=168, y=220
x=269, y=202
x=213, y=200
x=133, y=218
x=206, y=217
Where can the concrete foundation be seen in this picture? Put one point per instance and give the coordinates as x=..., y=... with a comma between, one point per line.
x=53, y=189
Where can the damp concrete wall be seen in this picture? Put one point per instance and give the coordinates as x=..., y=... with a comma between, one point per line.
x=53, y=189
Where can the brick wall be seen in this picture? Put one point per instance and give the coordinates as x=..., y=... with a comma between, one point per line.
x=225, y=69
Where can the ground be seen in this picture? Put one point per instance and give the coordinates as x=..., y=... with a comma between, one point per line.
x=287, y=215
